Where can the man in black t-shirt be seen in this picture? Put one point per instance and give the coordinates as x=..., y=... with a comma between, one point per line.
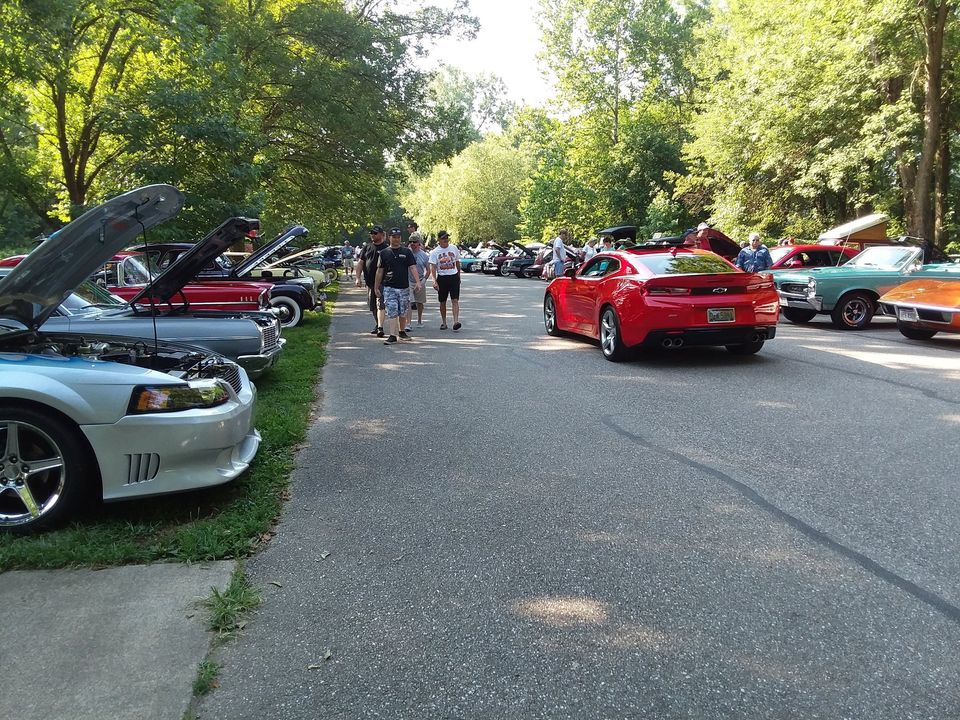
x=396, y=270
x=366, y=269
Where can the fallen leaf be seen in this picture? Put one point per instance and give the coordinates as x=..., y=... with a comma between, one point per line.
x=274, y=582
x=325, y=554
x=328, y=654
x=241, y=625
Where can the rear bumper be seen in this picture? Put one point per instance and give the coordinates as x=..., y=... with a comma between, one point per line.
x=699, y=337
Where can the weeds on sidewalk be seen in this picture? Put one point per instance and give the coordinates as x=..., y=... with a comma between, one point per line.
x=227, y=608
x=207, y=674
x=220, y=523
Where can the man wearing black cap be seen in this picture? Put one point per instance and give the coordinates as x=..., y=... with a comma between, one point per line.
x=397, y=268
x=445, y=268
x=368, y=263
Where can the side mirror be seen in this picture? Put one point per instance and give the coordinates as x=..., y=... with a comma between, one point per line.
x=569, y=272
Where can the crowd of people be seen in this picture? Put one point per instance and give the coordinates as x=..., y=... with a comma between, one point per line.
x=396, y=276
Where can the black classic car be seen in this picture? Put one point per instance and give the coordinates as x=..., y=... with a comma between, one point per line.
x=293, y=289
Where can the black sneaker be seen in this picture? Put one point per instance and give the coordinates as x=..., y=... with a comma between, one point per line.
x=390, y=340
x=379, y=332
x=457, y=326
x=375, y=331
x=404, y=336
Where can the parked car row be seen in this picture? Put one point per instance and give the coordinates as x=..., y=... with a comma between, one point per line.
x=121, y=374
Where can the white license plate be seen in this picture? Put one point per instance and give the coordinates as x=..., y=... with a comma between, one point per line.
x=908, y=314
x=721, y=315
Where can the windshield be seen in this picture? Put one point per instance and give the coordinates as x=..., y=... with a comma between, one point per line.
x=138, y=270
x=89, y=294
x=885, y=258
x=778, y=253
x=683, y=264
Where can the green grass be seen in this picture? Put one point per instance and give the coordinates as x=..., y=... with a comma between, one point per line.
x=220, y=523
x=207, y=673
x=228, y=607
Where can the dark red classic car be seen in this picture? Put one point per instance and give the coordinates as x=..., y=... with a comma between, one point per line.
x=803, y=256
x=663, y=297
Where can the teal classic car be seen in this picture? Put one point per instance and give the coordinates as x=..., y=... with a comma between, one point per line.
x=849, y=293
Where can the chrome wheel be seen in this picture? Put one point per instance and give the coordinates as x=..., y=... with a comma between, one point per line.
x=33, y=473
x=550, y=315
x=290, y=312
x=504, y=270
x=853, y=312
x=611, y=344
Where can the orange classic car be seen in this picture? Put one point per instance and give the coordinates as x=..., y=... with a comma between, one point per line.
x=925, y=306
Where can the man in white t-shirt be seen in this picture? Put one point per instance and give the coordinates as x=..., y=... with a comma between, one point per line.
x=445, y=269
x=559, y=253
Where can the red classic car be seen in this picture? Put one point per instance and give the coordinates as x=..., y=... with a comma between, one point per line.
x=659, y=297
x=804, y=256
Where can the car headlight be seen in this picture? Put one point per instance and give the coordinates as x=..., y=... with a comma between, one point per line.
x=812, y=286
x=172, y=398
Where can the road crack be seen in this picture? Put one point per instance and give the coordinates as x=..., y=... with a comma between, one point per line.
x=938, y=603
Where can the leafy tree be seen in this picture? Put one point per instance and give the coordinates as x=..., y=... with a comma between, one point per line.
x=476, y=195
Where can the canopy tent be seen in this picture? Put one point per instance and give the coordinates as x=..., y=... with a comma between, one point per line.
x=869, y=228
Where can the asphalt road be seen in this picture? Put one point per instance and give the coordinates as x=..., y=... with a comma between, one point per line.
x=499, y=524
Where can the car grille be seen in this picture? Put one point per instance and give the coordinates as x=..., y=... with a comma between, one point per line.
x=142, y=467
x=232, y=375
x=798, y=288
x=271, y=336
x=934, y=315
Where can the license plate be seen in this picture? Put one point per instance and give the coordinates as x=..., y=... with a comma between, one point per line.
x=909, y=314
x=720, y=315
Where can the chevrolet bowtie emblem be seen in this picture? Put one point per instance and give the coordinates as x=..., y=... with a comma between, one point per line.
x=720, y=290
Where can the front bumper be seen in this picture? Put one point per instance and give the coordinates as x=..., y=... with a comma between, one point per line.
x=256, y=365
x=804, y=302
x=699, y=337
x=154, y=454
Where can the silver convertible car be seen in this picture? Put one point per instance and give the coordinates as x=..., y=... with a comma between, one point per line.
x=86, y=416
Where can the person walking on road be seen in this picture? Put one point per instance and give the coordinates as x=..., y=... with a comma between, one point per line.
x=366, y=270
x=418, y=297
x=346, y=254
x=397, y=269
x=559, y=253
x=445, y=269
x=756, y=257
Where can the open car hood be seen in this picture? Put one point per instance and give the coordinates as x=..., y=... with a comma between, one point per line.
x=188, y=266
x=260, y=256
x=38, y=284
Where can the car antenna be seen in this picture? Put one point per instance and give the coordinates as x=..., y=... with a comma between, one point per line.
x=153, y=308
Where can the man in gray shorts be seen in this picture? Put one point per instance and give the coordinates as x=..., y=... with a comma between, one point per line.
x=396, y=270
x=418, y=297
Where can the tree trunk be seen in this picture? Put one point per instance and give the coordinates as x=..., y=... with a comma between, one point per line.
x=941, y=199
x=933, y=18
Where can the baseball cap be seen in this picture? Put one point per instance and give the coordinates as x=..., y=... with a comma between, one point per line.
x=442, y=234
x=395, y=231
x=376, y=229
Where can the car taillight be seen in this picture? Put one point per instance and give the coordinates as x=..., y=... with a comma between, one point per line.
x=669, y=291
x=765, y=284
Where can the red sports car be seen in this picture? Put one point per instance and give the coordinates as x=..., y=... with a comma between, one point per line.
x=657, y=297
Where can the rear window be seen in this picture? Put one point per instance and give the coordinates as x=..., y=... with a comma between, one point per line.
x=684, y=264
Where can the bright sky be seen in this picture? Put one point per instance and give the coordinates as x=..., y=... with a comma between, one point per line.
x=506, y=45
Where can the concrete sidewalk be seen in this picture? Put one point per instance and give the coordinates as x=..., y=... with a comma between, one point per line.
x=117, y=643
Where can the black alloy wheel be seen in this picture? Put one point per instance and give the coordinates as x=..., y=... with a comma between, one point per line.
x=853, y=312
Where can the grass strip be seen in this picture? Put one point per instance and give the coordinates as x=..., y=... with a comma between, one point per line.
x=225, y=522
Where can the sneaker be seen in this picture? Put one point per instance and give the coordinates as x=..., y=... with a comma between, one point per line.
x=419, y=323
x=375, y=331
x=404, y=336
x=457, y=326
x=379, y=332
x=443, y=327
x=390, y=340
